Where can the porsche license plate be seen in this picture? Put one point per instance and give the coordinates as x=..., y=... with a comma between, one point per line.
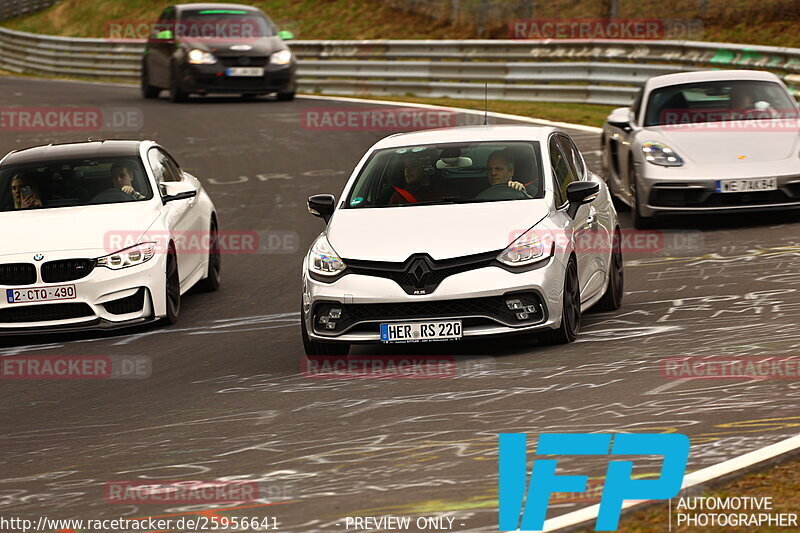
x=441, y=330
x=747, y=185
x=41, y=294
x=246, y=72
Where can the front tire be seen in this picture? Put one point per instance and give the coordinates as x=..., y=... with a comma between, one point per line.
x=286, y=97
x=212, y=279
x=316, y=349
x=149, y=92
x=612, y=299
x=176, y=95
x=173, y=292
x=639, y=221
x=570, y=310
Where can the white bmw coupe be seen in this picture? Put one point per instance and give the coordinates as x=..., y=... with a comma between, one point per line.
x=461, y=233
x=92, y=236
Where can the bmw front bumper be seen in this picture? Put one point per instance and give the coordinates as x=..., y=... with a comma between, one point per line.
x=104, y=299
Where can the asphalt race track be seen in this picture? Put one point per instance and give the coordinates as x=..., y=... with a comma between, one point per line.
x=226, y=399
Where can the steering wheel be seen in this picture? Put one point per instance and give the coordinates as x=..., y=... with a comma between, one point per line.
x=112, y=195
x=502, y=192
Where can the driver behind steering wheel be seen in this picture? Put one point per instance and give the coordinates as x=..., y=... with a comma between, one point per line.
x=500, y=171
x=122, y=176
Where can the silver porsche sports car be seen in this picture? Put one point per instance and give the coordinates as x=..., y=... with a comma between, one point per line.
x=702, y=142
x=462, y=232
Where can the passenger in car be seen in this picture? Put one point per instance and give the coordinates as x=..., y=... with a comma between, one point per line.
x=25, y=192
x=418, y=184
x=500, y=170
x=122, y=174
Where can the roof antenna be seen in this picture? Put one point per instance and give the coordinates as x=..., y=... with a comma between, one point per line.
x=486, y=104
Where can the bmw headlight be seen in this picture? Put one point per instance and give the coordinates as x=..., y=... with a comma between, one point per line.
x=281, y=57
x=660, y=154
x=135, y=255
x=201, y=57
x=530, y=247
x=322, y=258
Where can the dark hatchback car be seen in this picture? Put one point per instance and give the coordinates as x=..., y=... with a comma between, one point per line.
x=217, y=48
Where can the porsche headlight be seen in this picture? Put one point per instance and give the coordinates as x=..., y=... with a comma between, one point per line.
x=322, y=258
x=660, y=154
x=281, y=57
x=135, y=255
x=201, y=57
x=530, y=247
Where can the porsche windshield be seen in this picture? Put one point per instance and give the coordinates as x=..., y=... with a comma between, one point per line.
x=717, y=101
x=449, y=173
x=73, y=183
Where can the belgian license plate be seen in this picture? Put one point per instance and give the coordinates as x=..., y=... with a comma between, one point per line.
x=747, y=185
x=443, y=330
x=41, y=294
x=249, y=72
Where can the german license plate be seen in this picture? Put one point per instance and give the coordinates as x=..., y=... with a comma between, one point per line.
x=249, y=72
x=747, y=185
x=41, y=294
x=443, y=330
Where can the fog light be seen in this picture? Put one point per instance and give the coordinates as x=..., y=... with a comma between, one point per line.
x=514, y=304
x=323, y=319
x=335, y=313
x=330, y=325
x=531, y=309
x=522, y=316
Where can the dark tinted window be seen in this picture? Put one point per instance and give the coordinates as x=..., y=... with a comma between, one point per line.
x=76, y=182
x=716, y=101
x=563, y=171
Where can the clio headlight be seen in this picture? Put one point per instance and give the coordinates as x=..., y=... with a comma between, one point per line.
x=530, y=247
x=660, y=154
x=322, y=258
x=135, y=255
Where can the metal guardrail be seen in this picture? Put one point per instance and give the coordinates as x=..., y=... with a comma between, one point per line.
x=600, y=72
x=17, y=8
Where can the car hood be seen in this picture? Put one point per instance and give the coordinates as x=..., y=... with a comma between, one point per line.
x=90, y=229
x=442, y=231
x=263, y=46
x=704, y=145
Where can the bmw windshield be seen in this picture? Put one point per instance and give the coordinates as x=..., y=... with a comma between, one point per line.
x=70, y=183
x=449, y=173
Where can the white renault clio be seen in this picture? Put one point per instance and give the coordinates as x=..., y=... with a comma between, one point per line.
x=461, y=233
x=92, y=235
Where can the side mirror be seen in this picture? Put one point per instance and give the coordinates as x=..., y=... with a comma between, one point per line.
x=579, y=193
x=176, y=190
x=162, y=36
x=286, y=35
x=620, y=118
x=322, y=206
